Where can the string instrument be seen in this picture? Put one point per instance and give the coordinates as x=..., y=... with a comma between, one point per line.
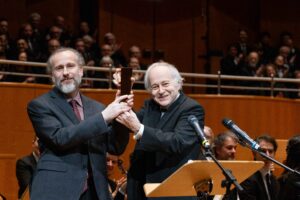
x=121, y=167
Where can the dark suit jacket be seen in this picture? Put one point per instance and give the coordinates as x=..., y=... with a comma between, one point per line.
x=70, y=147
x=289, y=187
x=25, y=167
x=167, y=143
x=254, y=188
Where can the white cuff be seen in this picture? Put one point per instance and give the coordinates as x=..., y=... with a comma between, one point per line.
x=139, y=134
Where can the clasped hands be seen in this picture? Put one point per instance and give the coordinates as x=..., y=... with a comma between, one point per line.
x=121, y=108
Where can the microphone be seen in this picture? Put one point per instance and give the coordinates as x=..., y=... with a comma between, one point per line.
x=228, y=123
x=199, y=132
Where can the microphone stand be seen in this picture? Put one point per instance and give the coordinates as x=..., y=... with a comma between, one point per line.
x=270, y=158
x=229, y=177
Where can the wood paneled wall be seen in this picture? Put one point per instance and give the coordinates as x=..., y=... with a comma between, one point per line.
x=255, y=115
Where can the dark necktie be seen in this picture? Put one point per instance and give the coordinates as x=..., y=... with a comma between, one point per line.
x=270, y=188
x=75, y=109
x=74, y=105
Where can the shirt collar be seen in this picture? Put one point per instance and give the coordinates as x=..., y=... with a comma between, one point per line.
x=36, y=157
x=77, y=98
x=264, y=171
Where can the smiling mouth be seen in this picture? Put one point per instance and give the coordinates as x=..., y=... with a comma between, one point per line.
x=66, y=80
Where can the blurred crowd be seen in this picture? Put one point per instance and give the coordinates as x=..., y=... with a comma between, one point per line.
x=262, y=59
x=36, y=45
x=259, y=59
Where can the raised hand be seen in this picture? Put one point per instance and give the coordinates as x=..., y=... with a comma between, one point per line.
x=118, y=106
x=130, y=120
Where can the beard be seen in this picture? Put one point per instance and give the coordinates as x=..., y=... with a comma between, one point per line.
x=69, y=87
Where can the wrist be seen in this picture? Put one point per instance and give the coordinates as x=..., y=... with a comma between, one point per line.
x=137, y=135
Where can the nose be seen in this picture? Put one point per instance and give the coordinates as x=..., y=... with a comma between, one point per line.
x=233, y=150
x=65, y=71
x=161, y=89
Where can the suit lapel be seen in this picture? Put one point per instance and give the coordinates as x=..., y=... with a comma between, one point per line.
x=262, y=185
x=151, y=115
x=61, y=102
x=87, y=108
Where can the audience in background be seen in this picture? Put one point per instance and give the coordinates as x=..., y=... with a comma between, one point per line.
x=116, y=187
x=245, y=56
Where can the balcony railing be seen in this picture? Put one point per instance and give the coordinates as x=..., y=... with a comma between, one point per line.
x=217, y=79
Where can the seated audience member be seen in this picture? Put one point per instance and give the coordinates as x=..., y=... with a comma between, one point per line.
x=84, y=29
x=135, y=51
x=290, y=182
x=23, y=56
x=117, y=53
x=231, y=65
x=282, y=68
x=270, y=71
x=26, y=166
x=295, y=94
x=262, y=185
x=80, y=47
x=134, y=63
x=224, y=146
x=252, y=68
x=34, y=45
x=91, y=46
x=35, y=21
x=267, y=50
x=52, y=45
x=105, y=62
x=115, y=186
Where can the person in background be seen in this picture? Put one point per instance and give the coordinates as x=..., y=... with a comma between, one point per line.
x=262, y=185
x=224, y=146
x=25, y=167
x=115, y=186
x=134, y=63
x=290, y=182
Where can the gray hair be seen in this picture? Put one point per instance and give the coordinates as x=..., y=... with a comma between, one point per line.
x=35, y=15
x=80, y=59
x=106, y=59
x=173, y=70
x=220, y=139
